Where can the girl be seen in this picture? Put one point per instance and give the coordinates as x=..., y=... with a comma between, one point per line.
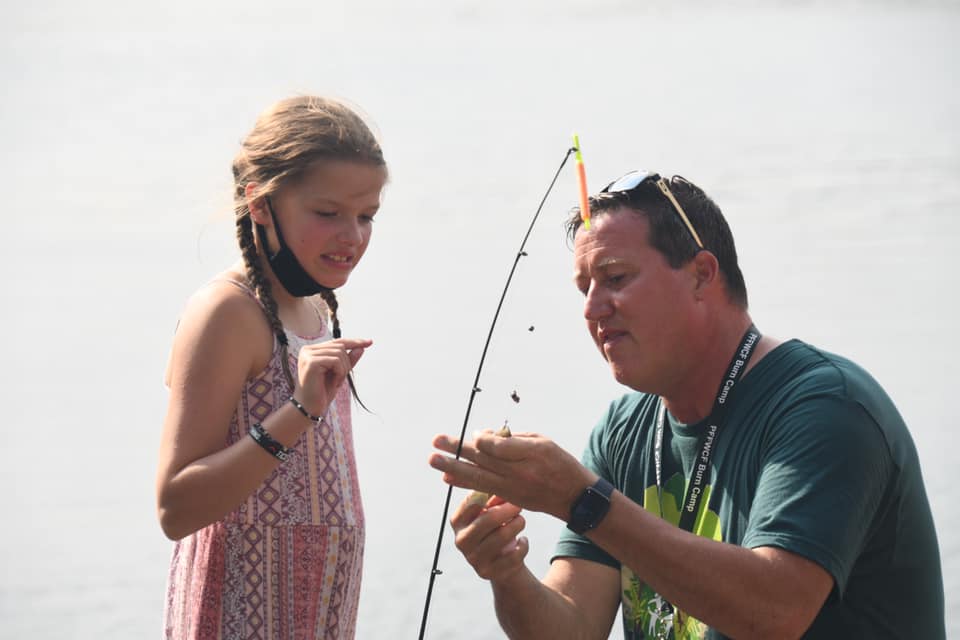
x=257, y=481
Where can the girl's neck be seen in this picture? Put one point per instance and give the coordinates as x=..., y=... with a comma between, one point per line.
x=299, y=315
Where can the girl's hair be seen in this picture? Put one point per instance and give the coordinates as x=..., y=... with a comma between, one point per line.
x=286, y=139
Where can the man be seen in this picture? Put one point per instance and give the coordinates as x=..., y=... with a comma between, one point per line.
x=749, y=488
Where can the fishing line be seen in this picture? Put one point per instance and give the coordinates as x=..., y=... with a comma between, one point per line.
x=434, y=572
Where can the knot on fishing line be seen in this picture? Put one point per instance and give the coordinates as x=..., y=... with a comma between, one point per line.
x=437, y=572
x=522, y=253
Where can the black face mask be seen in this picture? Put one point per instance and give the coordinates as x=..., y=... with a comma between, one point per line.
x=285, y=266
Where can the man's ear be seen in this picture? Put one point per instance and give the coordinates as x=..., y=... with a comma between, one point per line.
x=706, y=271
x=257, y=205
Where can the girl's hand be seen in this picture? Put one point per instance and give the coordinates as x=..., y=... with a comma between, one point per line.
x=322, y=369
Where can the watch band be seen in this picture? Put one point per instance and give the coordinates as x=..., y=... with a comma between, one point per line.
x=590, y=508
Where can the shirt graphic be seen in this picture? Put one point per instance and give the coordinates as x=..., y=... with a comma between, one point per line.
x=645, y=614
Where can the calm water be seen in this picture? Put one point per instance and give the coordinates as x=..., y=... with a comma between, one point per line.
x=828, y=133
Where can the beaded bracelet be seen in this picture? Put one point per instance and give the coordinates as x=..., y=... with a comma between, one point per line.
x=302, y=409
x=271, y=446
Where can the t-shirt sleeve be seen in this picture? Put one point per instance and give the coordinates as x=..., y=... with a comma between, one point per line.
x=821, y=483
x=573, y=545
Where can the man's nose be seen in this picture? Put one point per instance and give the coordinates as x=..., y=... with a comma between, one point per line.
x=596, y=304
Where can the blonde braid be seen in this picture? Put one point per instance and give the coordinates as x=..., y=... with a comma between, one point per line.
x=331, y=299
x=261, y=287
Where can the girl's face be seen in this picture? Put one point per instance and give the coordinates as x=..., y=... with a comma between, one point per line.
x=326, y=217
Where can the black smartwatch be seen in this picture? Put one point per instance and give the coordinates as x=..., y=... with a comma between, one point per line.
x=590, y=508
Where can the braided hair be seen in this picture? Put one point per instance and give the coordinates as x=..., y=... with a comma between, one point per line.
x=286, y=139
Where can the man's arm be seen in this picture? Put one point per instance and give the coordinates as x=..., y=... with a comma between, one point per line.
x=577, y=599
x=744, y=593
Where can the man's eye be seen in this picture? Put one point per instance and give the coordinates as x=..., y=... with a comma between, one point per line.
x=326, y=214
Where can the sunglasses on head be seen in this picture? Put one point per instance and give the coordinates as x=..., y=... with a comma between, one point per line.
x=634, y=179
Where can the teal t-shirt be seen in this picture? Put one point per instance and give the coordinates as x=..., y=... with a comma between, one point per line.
x=813, y=458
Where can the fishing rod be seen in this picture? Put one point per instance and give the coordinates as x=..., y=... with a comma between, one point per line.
x=585, y=213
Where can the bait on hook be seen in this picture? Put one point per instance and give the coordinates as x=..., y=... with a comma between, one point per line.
x=585, y=213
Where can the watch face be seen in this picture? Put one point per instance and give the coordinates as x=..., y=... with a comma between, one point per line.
x=588, y=510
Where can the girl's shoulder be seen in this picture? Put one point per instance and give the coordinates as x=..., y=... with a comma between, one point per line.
x=226, y=294
x=225, y=315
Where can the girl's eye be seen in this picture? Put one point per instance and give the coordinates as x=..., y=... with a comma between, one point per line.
x=367, y=218
x=326, y=214
x=615, y=278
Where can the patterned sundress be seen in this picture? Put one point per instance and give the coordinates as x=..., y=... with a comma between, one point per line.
x=287, y=562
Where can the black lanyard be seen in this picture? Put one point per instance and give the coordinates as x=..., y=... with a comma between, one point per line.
x=701, y=464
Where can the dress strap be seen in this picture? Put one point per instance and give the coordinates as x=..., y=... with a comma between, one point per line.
x=243, y=286
x=322, y=311
x=317, y=302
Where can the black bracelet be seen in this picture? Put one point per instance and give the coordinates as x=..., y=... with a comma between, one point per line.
x=271, y=446
x=303, y=410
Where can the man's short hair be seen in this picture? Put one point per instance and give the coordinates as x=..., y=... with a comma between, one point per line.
x=668, y=234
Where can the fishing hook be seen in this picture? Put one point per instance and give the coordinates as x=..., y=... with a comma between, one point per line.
x=434, y=572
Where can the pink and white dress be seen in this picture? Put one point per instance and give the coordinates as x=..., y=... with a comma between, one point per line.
x=286, y=563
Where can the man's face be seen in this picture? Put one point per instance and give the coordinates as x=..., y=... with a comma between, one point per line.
x=637, y=308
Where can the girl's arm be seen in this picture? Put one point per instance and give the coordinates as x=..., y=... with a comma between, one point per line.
x=222, y=340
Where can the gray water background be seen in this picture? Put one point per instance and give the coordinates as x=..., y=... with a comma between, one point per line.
x=828, y=133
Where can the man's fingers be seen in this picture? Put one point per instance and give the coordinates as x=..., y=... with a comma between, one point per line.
x=511, y=557
x=444, y=443
x=517, y=546
x=494, y=501
x=449, y=445
x=513, y=449
x=486, y=531
x=465, y=513
x=472, y=470
x=460, y=473
x=490, y=543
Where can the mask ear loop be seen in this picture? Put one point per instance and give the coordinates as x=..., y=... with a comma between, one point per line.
x=262, y=231
x=262, y=236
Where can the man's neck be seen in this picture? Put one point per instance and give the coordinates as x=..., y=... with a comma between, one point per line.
x=695, y=394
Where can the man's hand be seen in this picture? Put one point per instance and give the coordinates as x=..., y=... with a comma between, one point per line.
x=526, y=470
x=486, y=535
